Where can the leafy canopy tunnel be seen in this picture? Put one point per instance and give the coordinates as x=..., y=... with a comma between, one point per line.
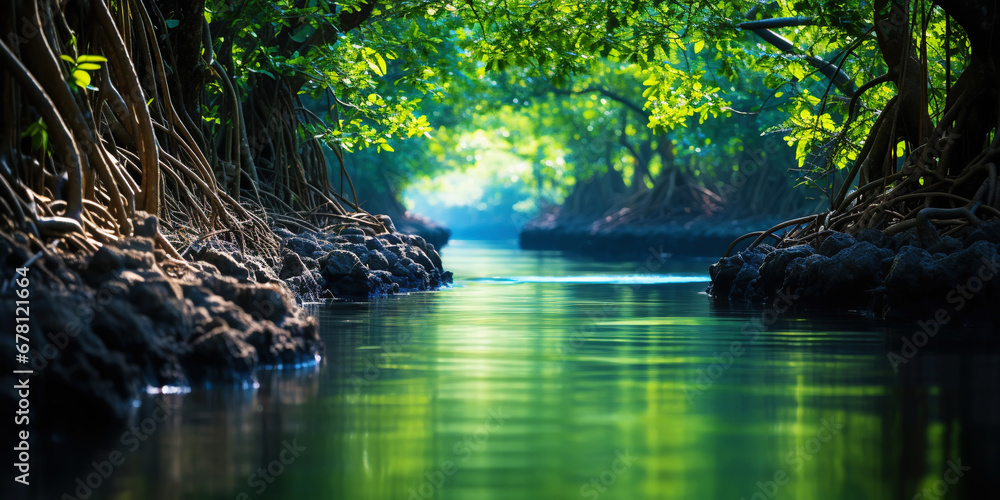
x=216, y=115
x=892, y=107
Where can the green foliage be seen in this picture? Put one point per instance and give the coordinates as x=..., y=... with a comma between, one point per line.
x=433, y=72
x=39, y=134
x=304, y=45
x=81, y=66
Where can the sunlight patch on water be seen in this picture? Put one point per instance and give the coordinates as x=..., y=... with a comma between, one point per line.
x=644, y=279
x=667, y=321
x=168, y=389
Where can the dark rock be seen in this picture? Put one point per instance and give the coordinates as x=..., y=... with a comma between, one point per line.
x=353, y=287
x=360, y=250
x=71, y=363
x=397, y=250
x=119, y=323
x=392, y=257
x=434, y=256
x=334, y=239
x=741, y=283
x=418, y=241
x=352, y=231
x=873, y=236
x=131, y=253
x=291, y=265
x=265, y=302
x=386, y=279
x=221, y=355
x=162, y=301
x=403, y=267
x=353, y=235
x=259, y=270
x=911, y=266
x=205, y=269
x=225, y=263
x=144, y=224
x=340, y=264
x=946, y=245
x=122, y=329
x=914, y=273
x=773, y=267
x=302, y=246
x=417, y=255
x=419, y=274
x=311, y=263
x=390, y=239
x=306, y=287
x=908, y=237
x=722, y=274
x=277, y=347
x=845, y=280
x=834, y=243
x=377, y=261
x=139, y=244
x=106, y=259
x=387, y=222
x=374, y=244
x=283, y=233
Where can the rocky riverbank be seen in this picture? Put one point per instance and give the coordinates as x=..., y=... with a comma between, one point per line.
x=350, y=264
x=915, y=274
x=682, y=236
x=104, y=327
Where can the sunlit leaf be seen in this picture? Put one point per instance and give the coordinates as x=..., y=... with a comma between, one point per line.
x=82, y=78
x=91, y=58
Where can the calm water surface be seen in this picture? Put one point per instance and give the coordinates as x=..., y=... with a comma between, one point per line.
x=540, y=376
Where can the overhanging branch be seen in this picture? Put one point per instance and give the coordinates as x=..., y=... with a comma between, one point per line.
x=840, y=79
x=777, y=22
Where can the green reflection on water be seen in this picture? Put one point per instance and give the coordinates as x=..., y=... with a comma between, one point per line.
x=574, y=390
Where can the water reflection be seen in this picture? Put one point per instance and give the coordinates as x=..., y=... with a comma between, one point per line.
x=567, y=390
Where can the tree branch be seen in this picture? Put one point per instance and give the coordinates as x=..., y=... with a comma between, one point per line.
x=827, y=68
x=777, y=22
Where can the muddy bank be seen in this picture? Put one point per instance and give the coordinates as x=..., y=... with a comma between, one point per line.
x=688, y=237
x=915, y=274
x=106, y=326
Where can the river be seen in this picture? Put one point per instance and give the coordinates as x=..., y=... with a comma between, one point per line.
x=542, y=376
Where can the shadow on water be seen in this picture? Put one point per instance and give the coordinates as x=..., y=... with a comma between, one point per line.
x=584, y=385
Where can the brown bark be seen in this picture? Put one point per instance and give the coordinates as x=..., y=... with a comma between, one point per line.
x=892, y=28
